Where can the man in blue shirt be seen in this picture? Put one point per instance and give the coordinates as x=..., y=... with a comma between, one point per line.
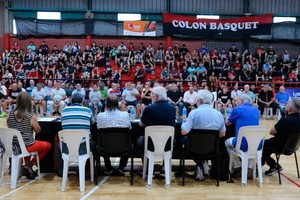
x=242, y=115
x=281, y=98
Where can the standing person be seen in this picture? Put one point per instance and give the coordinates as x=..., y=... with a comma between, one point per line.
x=76, y=116
x=24, y=120
x=242, y=115
x=112, y=117
x=285, y=127
x=204, y=117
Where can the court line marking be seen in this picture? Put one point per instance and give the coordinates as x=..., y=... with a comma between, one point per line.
x=103, y=180
x=291, y=180
x=19, y=188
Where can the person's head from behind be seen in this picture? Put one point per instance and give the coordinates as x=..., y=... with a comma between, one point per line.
x=112, y=102
x=77, y=98
x=159, y=93
x=243, y=98
x=293, y=105
x=23, y=105
x=204, y=97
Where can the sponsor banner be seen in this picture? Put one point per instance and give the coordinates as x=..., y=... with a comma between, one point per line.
x=293, y=92
x=223, y=28
x=139, y=28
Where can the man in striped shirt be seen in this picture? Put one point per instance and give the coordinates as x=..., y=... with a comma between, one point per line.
x=76, y=116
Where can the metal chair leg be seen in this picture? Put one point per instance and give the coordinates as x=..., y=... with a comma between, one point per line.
x=296, y=160
x=183, y=165
x=277, y=160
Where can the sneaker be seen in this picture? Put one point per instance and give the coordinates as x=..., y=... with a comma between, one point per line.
x=206, y=168
x=3, y=114
x=199, y=174
x=273, y=169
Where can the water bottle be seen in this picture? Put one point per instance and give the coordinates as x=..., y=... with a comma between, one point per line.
x=132, y=114
x=184, y=112
x=228, y=111
x=48, y=109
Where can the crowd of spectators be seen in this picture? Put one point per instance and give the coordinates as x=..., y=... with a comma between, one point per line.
x=75, y=69
x=72, y=63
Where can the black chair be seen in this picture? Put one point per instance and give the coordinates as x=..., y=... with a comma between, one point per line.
x=202, y=144
x=291, y=147
x=114, y=142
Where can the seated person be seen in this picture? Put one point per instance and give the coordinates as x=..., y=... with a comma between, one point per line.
x=38, y=96
x=199, y=118
x=190, y=98
x=24, y=120
x=224, y=101
x=285, y=127
x=112, y=117
x=175, y=98
x=146, y=96
x=139, y=74
x=95, y=99
x=244, y=114
x=58, y=98
x=129, y=97
x=281, y=99
x=76, y=116
x=266, y=99
x=13, y=93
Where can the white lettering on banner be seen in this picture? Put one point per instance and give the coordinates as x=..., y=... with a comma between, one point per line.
x=215, y=26
x=296, y=94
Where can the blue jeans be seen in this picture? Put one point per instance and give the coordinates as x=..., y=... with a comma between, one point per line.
x=180, y=105
x=91, y=106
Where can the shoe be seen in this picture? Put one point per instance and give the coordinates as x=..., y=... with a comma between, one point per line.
x=28, y=174
x=199, y=174
x=237, y=173
x=273, y=169
x=3, y=115
x=109, y=173
x=119, y=172
x=250, y=174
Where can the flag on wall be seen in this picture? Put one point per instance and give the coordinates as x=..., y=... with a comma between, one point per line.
x=223, y=28
x=139, y=28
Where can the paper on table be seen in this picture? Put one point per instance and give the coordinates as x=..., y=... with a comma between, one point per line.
x=46, y=119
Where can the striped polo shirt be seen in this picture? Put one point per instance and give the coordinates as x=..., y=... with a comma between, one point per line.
x=76, y=116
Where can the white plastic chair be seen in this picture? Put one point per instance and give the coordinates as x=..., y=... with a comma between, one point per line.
x=73, y=139
x=254, y=135
x=7, y=135
x=159, y=135
x=268, y=112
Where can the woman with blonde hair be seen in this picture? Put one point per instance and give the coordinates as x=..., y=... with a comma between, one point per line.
x=24, y=120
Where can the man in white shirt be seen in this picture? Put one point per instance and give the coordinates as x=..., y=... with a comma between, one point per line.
x=113, y=117
x=235, y=93
x=38, y=96
x=58, y=99
x=129, y=97
x=190, y=98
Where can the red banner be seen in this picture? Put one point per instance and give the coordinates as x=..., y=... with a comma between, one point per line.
x=229, y=27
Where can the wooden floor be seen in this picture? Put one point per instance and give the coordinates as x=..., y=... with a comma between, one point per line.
x=49, y=187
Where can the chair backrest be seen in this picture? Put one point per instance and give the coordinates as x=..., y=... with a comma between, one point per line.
x=254, y=135
x=7, y=135
x=114, y=140
x=73, y=138
x=159, y=135
x=203, y=142
x=292, y=144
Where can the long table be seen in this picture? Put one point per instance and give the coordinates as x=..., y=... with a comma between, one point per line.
x=51, y=126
